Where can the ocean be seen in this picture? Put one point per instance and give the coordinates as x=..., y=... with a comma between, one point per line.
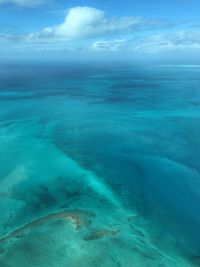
x=100, y=165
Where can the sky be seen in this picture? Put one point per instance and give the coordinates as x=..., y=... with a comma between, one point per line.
x=100, y=29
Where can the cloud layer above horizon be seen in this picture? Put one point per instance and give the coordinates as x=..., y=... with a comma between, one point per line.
x=89, y=31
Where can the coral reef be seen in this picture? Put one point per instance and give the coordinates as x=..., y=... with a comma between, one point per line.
x=76, y=217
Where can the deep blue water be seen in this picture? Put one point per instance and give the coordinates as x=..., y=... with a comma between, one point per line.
x=100, y=165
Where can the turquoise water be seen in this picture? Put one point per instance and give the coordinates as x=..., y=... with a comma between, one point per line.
x=99, y=166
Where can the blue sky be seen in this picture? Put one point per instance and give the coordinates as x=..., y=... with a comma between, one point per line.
x=70, y=29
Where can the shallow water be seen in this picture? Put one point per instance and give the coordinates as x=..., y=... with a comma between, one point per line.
x=99, y=166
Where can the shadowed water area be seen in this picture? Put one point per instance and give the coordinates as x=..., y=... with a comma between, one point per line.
x=99, y=166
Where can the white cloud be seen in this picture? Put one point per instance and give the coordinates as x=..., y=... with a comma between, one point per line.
x=111, y=45
x=23, y=3
x=152, y=44
x=178, y=41
x=85, y=22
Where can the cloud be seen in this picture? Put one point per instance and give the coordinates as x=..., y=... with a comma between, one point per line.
x=8, y=37
x=87, y=22
x=185, y=38
x=23, y=3
x=151, y=44
x=178, y=41
x=111, y=45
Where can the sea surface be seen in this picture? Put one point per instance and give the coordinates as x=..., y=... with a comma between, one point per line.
x=99, y=165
